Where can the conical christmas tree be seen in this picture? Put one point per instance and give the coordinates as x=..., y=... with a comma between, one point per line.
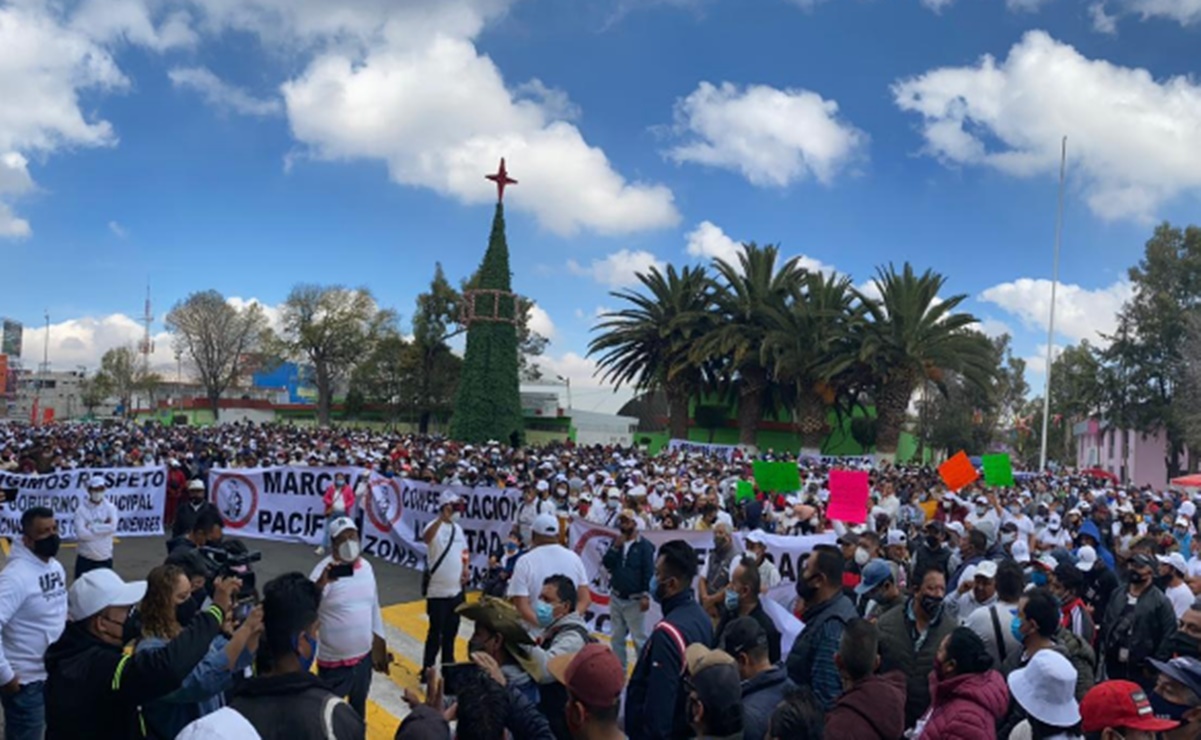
x=488, y=403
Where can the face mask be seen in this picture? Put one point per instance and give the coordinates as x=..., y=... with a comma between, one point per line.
x=1038, y=578
x=573, y=500
x=1138, y=578
x=613, y=503
x=658, y=592
x=1164, y=708
x=731, y=600
x=544, y=613
x=47, y=547
x=1008, y=538
x=185, y=611
x=510, y=547
x=931, y=605
x=96, y=496
x=348, y=551
x=1015, y=629
x=981, y=510
x=862, y=556
x=805, y=589
x=306, y=663
x=932, y=542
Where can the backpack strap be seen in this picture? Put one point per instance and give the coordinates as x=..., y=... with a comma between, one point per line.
x=996, y=628
x=674, y=633
x=327, y=716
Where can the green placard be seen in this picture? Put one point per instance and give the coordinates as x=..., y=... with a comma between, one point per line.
x=998, y=470
x=745, y=491
x=777, y=477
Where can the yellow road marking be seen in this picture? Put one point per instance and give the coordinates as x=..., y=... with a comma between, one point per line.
x=381, y=725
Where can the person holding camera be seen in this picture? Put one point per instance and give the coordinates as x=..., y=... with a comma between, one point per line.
x=447, y=575
x=352, y=638
x=168, y=593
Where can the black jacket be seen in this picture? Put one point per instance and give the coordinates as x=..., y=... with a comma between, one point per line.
x=760, y=616
x=186, y=516
x=760, y=696
x=654, y=701
x=630, y=573
x=93, y=690
x=293, y=706
x=1143, y=633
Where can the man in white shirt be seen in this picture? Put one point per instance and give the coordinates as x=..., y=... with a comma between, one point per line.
x=992, y=622
x=985, y=518
x=95, y=524
x=532, y=504
x=351, y=640
x=547, y=558
x=447, y=558
x=1053, y=536
x=33, y=614
x=1174, y=568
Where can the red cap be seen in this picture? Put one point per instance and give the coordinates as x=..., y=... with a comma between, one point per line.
x=593, y=675
x=1120, y=705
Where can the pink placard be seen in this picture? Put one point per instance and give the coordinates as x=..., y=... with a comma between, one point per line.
x=848, y=496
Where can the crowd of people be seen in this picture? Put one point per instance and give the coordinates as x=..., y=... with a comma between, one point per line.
x=1061, y=607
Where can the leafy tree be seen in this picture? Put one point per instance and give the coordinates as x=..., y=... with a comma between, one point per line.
x=333, y=328
x=119, y=372
x=711, y=417
x=383, y=377
x=648, y=344
x=216, y=338
x=93, y=392
x=1076, y=392
x=746, y=294
x=911, y=337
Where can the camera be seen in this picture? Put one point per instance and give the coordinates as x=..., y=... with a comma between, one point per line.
x=232, y=559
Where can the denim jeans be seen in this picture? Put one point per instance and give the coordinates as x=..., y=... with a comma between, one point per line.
x=352, y=682
x=626, y=618
x=25, y=712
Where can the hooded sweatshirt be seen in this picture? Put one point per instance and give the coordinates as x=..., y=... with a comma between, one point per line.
x=872, y=708
x=33, y=613
x=95, y=525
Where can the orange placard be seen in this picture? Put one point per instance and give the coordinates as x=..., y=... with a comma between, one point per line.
x=958, y=471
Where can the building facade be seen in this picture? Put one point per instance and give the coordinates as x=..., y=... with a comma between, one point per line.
x=1136, y=458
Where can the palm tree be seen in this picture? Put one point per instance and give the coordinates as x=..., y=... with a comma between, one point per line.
x=745, y=296
x=648, y=344
x=809, y=348
x=913, y=336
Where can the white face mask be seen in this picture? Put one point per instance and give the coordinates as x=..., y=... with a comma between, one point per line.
x=348, y=551
x=862, y=556
x=95, y=496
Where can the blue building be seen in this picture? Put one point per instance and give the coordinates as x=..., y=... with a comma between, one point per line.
x=296, y=379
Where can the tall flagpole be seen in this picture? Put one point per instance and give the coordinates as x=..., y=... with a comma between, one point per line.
x=1063, y=159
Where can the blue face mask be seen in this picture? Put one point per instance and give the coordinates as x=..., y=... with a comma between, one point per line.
x=544, y=612
x=1015, y=628
x=731, y=601
x=653, y=587
x=1038, y=578
x=305, y=663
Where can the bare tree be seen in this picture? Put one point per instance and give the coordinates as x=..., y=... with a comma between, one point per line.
x=119, y=371
x=334, y=328
x=216, y=338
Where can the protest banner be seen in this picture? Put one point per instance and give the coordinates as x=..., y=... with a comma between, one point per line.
x=998, y=470
x=725, y=452
x=846, y=461
x=139, y=494
x=848, y=496
x=777, y=477
x=278, y=503
x=958, y=472
x=590, y=542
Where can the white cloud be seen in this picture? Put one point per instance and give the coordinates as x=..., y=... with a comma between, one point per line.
x=1036, y=365
x=587, y=390
x=1184, y=12
x=772, y=137
x=221, y=95
x=1025, y=6
x=273, y=313
x=84, y=341
x=620, y=269
x=1103, y=22
x=709, y=242
x=439, y=114
x=994, y=328
x=1080, y=313
x=112, y=21
x=937, y=5
x=117, y=229
x=541, y=323
x=1129, y=158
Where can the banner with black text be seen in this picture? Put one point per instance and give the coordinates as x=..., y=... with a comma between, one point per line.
x=139, y=494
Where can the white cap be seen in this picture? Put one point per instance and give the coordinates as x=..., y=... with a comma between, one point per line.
x=1183, y=520
x=895, y=537
x=340, y=525
x=1021, y=552
x=1046, y=689
x=756, y=535
x=99, y=589
x=97, y=481
x=546, y=525
x=195, y=485
x=637, y=491
x=987, y=569
x=1176, y=560
x=957, y=528
x=1086, y=558
x=982, y=500
x=541, y=486
x=448, y=498
x=1188, y=509
x=1048, y=561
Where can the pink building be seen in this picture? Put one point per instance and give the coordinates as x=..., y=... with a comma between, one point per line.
x=1136, y=458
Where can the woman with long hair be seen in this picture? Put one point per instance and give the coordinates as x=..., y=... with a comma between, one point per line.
x=168, y=593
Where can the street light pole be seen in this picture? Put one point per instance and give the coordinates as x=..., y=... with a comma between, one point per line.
x=567, y=382
x=1042, y=455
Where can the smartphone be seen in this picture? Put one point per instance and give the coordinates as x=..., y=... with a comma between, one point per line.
x=344, y=570
x=453, y=675
x=242, y=609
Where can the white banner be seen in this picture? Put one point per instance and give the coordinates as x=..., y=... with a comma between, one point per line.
x=725, y=452
x=590, y=542
x=138, y=493
x=282, y=503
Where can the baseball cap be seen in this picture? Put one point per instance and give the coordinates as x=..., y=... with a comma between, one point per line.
x=593, y=675
x=628, y=514
x=546, y=525
x=756, y=535
x=850, y=538
x=895, y=537
x=97, y=481
x=1120, y=705
x=1143, y=560
x=1185, y=670
x=982, y=500
x=195, y=485
x=957, y=528
x=1086, y=558
x=340, y=525
x=99, y=589
x=448, y=498
x=874, y=573
x=743, y=634
x=986, y=569
x=1175, y=560
x=542, y=486
x=714, y=677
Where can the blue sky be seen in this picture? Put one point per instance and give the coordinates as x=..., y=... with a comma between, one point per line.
x=247, y=145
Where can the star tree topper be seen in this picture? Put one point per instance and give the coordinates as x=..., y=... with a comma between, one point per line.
x=501, y=178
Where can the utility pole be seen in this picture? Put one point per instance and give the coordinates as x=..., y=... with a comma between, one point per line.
x=1063, y=159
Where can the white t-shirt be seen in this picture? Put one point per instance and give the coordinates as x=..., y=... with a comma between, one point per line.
x=349, y=614
x=528, y=511
x=542, y=562
x=1062, y=538
x=447, y=580
x=1181, y=597
x=980, y=622
x=1194, y=567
